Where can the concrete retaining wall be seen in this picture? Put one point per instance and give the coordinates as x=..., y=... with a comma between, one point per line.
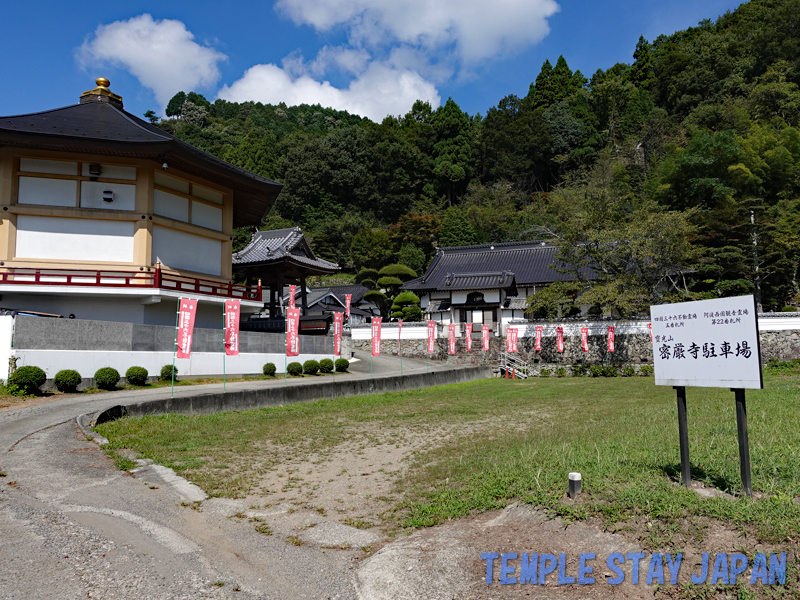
x=278, y=396
x=85, y=346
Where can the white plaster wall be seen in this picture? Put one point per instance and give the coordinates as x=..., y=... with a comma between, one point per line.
x=185, y=251
x=92, y=195
x=389, y=332
x=74, y=239
x=206, y=216
x=201, y=363
x=491, y=295
x=6, y=335
x=207, y=194
x=460, y=297
x=778, y=323
x=111, y=172
x=40, y=165
x=47, y=192
x=171, y=182
x=170, y=206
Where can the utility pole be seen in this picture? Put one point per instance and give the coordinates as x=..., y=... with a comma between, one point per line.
x=757, y=277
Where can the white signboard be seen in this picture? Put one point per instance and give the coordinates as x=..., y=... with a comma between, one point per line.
x=709, y=343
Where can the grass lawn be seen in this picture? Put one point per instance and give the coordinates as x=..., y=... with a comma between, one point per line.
x=517, y=440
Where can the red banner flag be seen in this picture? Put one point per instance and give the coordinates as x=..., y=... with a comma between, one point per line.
x=376, y=336
x=485, y=338
x=511, y=339
x=451, y=339
x=585, y=339
x=347, y=298
x=292, y=332
x=292, y=293
x=538, y=338
x=560, y=339
x=338, y=325
x=468, y=333
x=186, y=313
x=611, y=338
x=232, y=327
x=650, y=329
x=431, y=336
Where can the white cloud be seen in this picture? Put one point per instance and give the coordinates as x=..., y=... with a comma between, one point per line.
x=380, y=90
x=475, y=29
x=162, y=55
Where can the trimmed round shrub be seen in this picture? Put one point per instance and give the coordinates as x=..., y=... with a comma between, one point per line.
x=561, y=372
x=369, y=284
x=578, y=370
x=628, y=371
x=67, y=381
x=544, y=372
x=310, y=367
x=789, y=309
x=366, y=274
x=342, y=364
x=400, y=271
x=610, y=371
x=389, y=282
x=166, y=373
x=596, y=371
x=269, y=369
x=136, y=376
x=326, y=365
x=106, y=378
x=295, y=369
x=27, y=379
x=646, y=371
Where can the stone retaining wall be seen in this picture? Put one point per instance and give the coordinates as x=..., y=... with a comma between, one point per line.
x=631, y=349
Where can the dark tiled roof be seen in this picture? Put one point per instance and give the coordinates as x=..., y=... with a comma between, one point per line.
x=515, y=303
x=282, y=244
x=356, y=292
x=103, y=128
x=438, y=306
x=491, y=266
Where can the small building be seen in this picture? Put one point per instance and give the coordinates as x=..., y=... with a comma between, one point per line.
x=107, y=217
x=278, y=258
x=486, y=284
x=334, y=299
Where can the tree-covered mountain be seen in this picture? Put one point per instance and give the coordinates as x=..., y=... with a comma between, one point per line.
x=662, y=172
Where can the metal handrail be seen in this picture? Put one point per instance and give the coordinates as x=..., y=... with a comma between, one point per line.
x=520, y=368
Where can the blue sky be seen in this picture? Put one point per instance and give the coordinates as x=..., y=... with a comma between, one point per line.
x=371, y=57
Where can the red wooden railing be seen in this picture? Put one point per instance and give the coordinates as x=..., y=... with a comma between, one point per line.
x=128, y=279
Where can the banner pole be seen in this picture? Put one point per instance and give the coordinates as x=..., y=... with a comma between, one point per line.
x=224, y=330
x=175, y=348
x=285, y=377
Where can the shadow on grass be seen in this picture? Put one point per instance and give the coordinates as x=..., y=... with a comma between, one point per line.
x=722, y=483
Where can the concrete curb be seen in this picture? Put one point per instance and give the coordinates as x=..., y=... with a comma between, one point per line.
x=278, y=396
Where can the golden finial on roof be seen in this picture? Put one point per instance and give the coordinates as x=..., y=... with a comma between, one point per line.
x=101, y=93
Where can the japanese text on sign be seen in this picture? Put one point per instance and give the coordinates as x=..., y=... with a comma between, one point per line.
x=709, y=343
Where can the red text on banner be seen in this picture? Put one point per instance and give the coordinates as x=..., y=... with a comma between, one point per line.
x=376, y=336
x=186, y=314
x=292, y=332
x=232, y=311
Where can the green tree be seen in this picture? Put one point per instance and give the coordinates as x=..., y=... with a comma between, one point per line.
x=175, y=105
x=457, y=229
x=412, y=257
x=370, y=248
x=452, y=153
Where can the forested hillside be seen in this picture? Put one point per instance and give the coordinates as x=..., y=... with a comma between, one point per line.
x=662, y=172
